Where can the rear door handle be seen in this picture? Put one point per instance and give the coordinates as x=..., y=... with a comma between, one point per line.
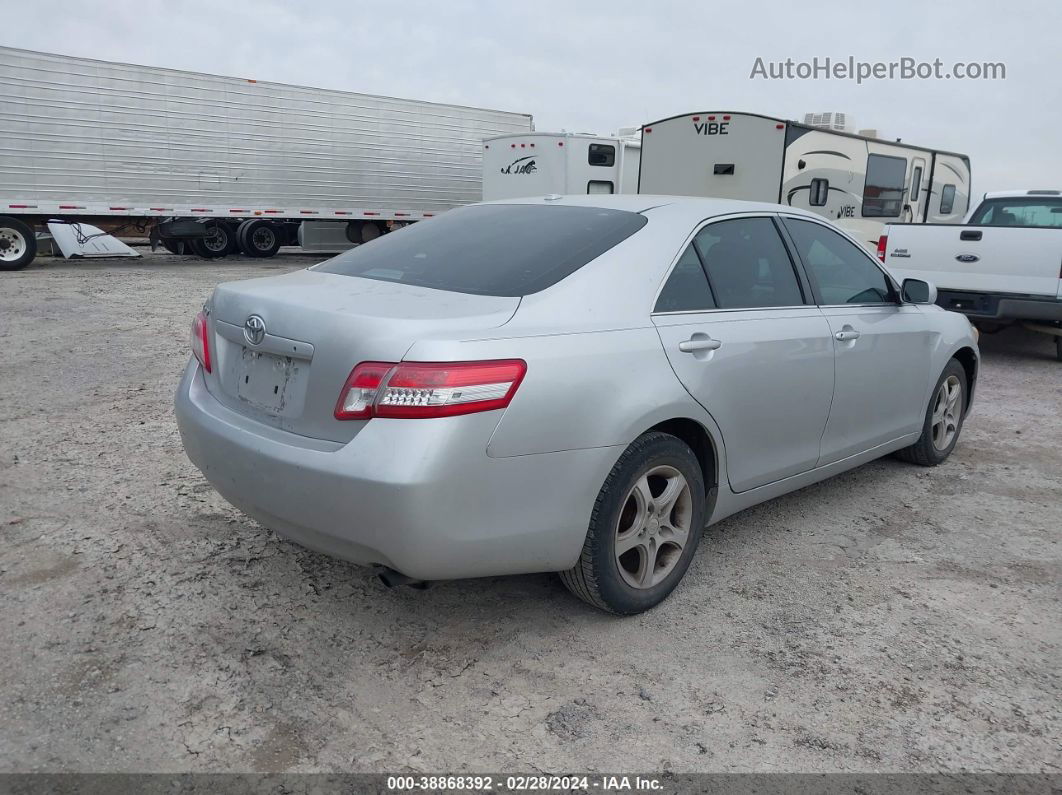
x=970, y=234
x=845, y=336
x=699, y=344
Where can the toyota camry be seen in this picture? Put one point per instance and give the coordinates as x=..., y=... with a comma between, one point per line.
x=568, y=384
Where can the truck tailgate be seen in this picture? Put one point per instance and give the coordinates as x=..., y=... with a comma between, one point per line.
x=987, y=259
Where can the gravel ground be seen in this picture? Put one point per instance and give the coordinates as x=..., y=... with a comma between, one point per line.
x=893, y=618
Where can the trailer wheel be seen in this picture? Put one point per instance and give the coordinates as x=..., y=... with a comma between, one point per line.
x=220, y=241
x=258, y=238
x=363, y=231
x=18, y=244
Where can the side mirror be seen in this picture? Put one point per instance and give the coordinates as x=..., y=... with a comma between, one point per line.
x=916, y=291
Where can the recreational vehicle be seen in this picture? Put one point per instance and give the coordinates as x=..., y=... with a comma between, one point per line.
x=858, y=181
x=541, y=163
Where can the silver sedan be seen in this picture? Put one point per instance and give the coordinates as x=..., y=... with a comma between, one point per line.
x=574, y=384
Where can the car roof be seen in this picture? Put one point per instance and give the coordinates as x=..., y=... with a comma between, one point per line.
x=677, y=206
x=1013, y=194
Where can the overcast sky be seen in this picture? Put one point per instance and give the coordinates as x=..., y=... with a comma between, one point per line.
x=599, y=66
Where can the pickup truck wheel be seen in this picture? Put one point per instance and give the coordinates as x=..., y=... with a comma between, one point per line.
x=1058, y=348
x=18, y=244
x=943, y=420
x=644, y=527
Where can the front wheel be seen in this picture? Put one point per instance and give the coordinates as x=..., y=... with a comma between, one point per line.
x=943, y=420
x=18, y=244
x=644, y=528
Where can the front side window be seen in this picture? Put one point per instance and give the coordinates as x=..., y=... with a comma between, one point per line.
x=747, y=264
x=844, y=272
x=947, y=199
x=686, y=289
x=883, y=189
x=602, y=155
x=1019, y=212
x=490, y=249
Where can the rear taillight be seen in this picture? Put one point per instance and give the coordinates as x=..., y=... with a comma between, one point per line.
x=883, y=241
x=419, y=390
x=359, y=392
x=200, y=341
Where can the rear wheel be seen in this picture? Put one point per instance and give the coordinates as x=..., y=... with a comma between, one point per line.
x=18, y=244
x=943, y=420
x=644, y=528
x=258, y=238
x=220, y=241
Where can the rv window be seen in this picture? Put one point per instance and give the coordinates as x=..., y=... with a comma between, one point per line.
x=686, y=289
x=947, y=199
x=602, y=155
x=916, y=184
x=596, y=186
x=883, y=189
x=747, y=264
x=1019, y=212
x=844, y=272
x=820, y=189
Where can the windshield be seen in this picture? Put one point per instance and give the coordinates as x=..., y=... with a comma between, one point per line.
x=1028, y=211
x=490, y=249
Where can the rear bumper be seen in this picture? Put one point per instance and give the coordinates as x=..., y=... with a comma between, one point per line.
x=1000, y=306
x=420, y=496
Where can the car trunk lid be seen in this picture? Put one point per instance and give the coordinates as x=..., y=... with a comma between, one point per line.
x=284, y=345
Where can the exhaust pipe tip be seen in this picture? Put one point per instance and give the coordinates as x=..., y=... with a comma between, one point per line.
x=392, y=579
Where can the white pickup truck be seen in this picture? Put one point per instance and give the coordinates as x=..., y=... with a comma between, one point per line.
x=1003, y=264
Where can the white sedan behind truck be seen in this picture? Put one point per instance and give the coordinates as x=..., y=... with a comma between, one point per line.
x=1003, y=265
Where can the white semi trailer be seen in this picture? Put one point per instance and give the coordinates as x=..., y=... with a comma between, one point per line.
x=219, y=164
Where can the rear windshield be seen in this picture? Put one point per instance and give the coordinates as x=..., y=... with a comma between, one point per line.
x=490, y=249
x=1019, y=212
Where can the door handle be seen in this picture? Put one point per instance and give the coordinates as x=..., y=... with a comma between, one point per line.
x=846, y=335
x=970, y=234
x=699, y=344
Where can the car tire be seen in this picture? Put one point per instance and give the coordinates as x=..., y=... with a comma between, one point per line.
x=220, y=242
x=257, y=237
x=628, y=515
x=943, y=421
x=18, y=244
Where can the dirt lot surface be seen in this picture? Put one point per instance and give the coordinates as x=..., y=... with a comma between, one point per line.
x=893, y=618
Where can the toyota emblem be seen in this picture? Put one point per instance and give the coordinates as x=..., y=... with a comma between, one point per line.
x=254, y=329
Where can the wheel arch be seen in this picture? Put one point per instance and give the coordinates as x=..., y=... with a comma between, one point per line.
x=698, y=439
x=968, y=359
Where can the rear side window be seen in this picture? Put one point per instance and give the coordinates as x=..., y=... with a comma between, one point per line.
x=883, y=189
x=686, y=289
x=602, y=155
x=947, y=199
x=490, y=249
x=1019, y=212
x=747, y=264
